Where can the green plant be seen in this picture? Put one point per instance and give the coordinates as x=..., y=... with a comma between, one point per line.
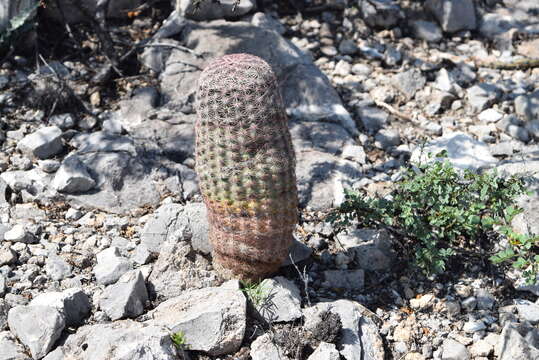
x=179, y=340
x=442, y=210
x=246, y=166
x=255, y=292
x=17, y=26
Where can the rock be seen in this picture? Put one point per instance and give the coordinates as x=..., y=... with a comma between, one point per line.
x=348, y=47
x=469, y=303
x=463, y=151
x=18, y=233
x=298, y=253
x=208, y=11
x=134, y=110
x=2, y=287
x=4, y=308
x=197, y=217
x=10, y=349
x=528, y=311
x=388, y=138
x=518, y=132
x=344, y=279
x=482, y=95
x=168, y=222
x=474, y=326
x=63, y=121
x=481, y=348
x=57, y=268
x=72, y=14
x=527, y=106
x=212, y=319
x=126, y=298
x=518, y=342
x=37, y=327
x=325, y=351
x=110, y=266
x=43, y=143
x=409, y=82
x=73, y=303
x=175, y=271
x=359, y=338
x=372, y=118
x=485, y=300
x=264, y=348
x=49, y=166
x=72, y=177
x=426, y=30
x=490, y=116
x=343, y=68
x=453, y=15
x=7, y=255
x=355, y=153
x=453, y=350
x=142, y=255
x=3, y=192
x=281, y=300
x=268, y=22
x=326, y=137
x=125, y=339
x=372, y=249
x=380, y=13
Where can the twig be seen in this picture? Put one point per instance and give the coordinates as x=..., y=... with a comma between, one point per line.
x=174, y=46
x=303, y=277
x=518, y=64
x=393, y=111
x=66, y=23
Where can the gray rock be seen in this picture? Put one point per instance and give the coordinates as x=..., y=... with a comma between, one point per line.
x=110, y=266
x=482, y=96
x=197, y=217
x=453, y=350
x=348, y=47
x=426, y=30
x=175, y=271
x=264, y=348
x=2, y=286
x=49, y=166
x=4, y=308
x=282, y=300
x=141, y=255
x=72, y=177
x=388, y=138
x=113, y=125
x=485, y=300
x=7, y=255
x=103, y=142
x=372, y=118
x=518, y=342
x=474, y=326
x=519, y=133
x=18, y=233
x=210, y=11
x=359, y=336
x=126, y=298
x=371, y=248
x=125, y=339
x=354, y=153
x=380, y=13
x=527, y=106
x=168, y=222
x=298, y=253
x=212, y=319
x=268, y=22
x=57, y=268
x=528, y=311
x=344, y=279
x=469, y=303
x=10, y=349
x=73, y=303
x=3, y=192
x=43, y=143
x=409, y=82
x=463, y=151
x=326, y=137
x=134, y=110
x=63, y=121
x=325, y=351
x=37, y=327
x=453, y=15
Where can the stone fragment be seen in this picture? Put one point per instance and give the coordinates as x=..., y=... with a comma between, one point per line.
x=325, y=351
x=281, y=300
x=63, y=121
x=409, y=82
x=485, y=300
x=518, y=342
x=527, y=106
x=168, y=222
x=372, y=118
x=124, y=339
x=3, y=192
x=453, y=350
x=197, y=217
x=18, y=233
x=57, y=268
x=388, y=138
x=482, y=95
x=453, y=15
x=372, y=248
x=37, y=327
x=7, y=255
x=264, y=348
x=73, y=303
x=268, y=22
x=4, y=308
x=481, y=348
x=528, y=311
x=49, y=165
x=110, y=266
x=355, y=153
x=490, y=116
x=463, y=151
x=2, y=287
x=348, y=47
x=426, y=30
x=10, y=349
x=126, y=298
x=43, y=143
x=344, y=279
x=474, y=326
x=212, y=319
x=73, y=177
x=380, y=13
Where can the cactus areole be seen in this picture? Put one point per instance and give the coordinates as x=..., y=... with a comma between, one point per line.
x=246, y=166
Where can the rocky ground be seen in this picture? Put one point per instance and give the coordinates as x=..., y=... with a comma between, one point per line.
x=103, y=236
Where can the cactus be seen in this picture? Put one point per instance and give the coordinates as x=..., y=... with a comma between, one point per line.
x=246, y=166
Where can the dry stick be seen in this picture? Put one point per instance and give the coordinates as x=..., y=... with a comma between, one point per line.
x=303, y=277
x=64, y=19
x=518, y=64
x=393, y=111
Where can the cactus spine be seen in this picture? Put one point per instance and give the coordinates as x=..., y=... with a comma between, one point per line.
x=246, y=166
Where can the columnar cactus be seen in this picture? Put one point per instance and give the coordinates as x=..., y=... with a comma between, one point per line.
x=246, y=166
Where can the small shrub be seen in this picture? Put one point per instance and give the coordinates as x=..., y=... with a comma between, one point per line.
x=442, y=210
x=179, y=340
x=254, y=291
